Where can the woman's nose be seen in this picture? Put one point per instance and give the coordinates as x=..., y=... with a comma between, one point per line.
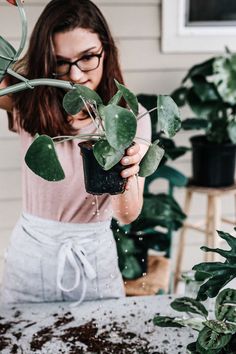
x=75, y=73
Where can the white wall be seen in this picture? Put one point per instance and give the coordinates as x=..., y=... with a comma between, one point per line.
x=136, y=25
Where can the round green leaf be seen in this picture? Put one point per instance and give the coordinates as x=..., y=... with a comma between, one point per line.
x=120, y=126
x=168, y=115
x=129, y=97
x=116, y=98
x=106, y=155
x=151, y=160
x=72, y=102
x=88, y=94
x=42, y=159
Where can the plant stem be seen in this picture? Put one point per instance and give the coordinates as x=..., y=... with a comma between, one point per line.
x=144, y=140
x=24, y=29
x=68, y=137
x=90, y=115
x=34, y=83
x=145, y=113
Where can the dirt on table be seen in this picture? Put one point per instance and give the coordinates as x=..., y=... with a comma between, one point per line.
x=111, y=338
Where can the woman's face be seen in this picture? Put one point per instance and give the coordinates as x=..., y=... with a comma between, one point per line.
x=82, y=44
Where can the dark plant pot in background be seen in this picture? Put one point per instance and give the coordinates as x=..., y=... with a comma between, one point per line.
x=213, y=165
x=97, y=180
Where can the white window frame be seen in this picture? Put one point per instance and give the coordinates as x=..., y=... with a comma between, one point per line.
x=178, y=38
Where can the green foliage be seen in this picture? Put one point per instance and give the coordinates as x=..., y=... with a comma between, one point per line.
x=219, y=274
x=209, y=90
x=187, y=304
x=7, y=54
x=226, y=305
x=216, y=336
x=151, y=159
x=47, y=164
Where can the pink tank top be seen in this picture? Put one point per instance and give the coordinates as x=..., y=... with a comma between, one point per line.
x=67, y=200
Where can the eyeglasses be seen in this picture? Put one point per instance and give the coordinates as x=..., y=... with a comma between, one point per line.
x=87, y=63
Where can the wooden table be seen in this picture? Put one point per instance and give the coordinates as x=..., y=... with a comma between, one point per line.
x=119, y=326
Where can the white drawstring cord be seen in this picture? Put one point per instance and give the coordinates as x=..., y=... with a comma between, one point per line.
x=75, y=255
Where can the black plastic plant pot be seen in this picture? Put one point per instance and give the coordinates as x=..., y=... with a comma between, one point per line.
x=213, y=165
x=97, y=180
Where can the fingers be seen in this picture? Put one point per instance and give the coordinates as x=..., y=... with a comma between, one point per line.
x=131, y=171
x=131, y=160
x=132, y=156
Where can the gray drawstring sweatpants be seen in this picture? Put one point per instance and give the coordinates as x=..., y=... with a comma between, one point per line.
x=55, y=261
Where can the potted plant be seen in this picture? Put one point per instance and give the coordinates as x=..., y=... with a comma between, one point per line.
x=115, y=131
x=208, y=90
x=215, y=335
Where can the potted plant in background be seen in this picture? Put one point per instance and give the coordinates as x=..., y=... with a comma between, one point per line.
x=216, y=335
x=209, y=90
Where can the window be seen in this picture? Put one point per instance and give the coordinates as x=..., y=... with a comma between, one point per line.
x=198, y=25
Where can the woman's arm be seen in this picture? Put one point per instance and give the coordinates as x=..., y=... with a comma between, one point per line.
x=5, y=101
x=127, y=206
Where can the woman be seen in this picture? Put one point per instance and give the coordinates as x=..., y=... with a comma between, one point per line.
x=62, y=248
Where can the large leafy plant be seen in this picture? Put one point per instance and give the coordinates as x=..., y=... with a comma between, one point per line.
x=115, y=131
x=208, y=90
x=218, y=335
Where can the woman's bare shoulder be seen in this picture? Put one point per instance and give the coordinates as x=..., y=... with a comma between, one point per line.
x=5, y=101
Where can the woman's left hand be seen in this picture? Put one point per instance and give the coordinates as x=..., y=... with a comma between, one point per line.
x=131, y=160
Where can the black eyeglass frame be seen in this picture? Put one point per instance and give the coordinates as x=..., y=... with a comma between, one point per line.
x=99, y=55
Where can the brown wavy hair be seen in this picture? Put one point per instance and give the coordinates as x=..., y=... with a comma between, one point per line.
x=40, y=109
